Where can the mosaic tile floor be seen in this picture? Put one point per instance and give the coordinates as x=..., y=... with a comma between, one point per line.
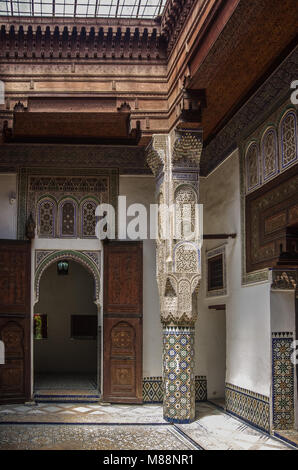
x=53, y=437
x=110, y=427
x=82, y=413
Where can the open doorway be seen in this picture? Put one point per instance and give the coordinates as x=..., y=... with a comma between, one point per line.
x=66, y=343
x=216, y=360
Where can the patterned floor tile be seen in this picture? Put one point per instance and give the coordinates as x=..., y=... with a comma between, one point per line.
x=82, y=409
x=52, y=409
x=55, y=437
x=212, y=430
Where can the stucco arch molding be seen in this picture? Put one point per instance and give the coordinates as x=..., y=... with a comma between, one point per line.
x=81, y=257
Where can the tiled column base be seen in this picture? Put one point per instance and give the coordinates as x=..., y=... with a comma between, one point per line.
x=179, y=379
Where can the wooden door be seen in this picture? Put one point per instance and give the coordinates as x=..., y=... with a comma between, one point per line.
x=15, y=320
x=123, y=318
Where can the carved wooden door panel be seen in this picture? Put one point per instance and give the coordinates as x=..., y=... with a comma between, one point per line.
x=15, y=320
x=123, y=317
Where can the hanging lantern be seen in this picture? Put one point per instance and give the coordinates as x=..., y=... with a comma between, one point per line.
x=62, y=267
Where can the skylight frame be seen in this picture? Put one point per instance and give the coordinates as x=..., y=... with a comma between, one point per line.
x=132, y=9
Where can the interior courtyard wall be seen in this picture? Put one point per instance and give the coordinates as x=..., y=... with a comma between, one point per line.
x=248, y=337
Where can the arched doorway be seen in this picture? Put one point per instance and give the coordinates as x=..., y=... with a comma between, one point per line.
x=66, y=333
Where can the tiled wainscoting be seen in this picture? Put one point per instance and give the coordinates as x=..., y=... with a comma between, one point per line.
x=153, y=389
x=249, y=406
x=282, y=381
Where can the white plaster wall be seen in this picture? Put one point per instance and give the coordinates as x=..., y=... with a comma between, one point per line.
x=282, y=311
x=8, y=213
x=60, y=297
x=248, y=335
x=142, y=190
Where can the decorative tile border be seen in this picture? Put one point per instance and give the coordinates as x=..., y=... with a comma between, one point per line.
x=201, y=388
x=282, y=381
x=153, y=389
x=249, y=406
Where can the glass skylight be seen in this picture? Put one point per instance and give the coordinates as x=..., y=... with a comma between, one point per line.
x=146, y=9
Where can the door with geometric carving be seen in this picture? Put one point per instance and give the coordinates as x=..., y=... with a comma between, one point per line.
x=15, y=374
x=123, y=318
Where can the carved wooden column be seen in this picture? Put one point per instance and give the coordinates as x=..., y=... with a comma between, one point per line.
x=174, y=160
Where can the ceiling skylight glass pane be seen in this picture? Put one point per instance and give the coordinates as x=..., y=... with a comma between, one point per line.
x=83, y=8
x=5, y=8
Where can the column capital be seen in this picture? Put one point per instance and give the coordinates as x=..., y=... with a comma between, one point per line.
x=156, y=153
x=187, y=148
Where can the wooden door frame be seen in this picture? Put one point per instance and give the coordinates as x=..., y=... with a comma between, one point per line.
x=26, y=317
x=128, y=315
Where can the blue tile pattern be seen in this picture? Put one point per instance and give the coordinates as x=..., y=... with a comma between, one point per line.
x=153, y=389
x=282, y=381
x=179, y=379
x=249, y=406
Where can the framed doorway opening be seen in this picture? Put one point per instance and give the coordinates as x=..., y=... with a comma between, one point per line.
x=66, y=330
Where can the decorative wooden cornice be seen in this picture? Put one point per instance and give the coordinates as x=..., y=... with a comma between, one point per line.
x=173, y=19
x=64, y=38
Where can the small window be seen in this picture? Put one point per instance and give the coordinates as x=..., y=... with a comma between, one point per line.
x=40, y=326
x=83, y=326
x=215, y=273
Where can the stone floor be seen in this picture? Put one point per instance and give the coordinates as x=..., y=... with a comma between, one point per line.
x=290, y=435
x=64, y=382
x=137, y=427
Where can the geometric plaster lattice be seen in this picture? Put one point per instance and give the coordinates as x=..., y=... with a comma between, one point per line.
x=271, y=151
x=45, y=191
x=174, y=161
x=90, y=260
